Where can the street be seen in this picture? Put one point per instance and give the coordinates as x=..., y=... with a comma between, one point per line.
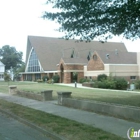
x=11, y=129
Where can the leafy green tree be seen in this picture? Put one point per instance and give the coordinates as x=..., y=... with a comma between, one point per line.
x=89, y=19
x=20, y=68
x=10, y=57
x=7, y=77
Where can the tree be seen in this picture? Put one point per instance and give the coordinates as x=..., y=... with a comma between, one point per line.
x=10, y=57
x=18, y=70
x=89, y=19
x=7, y=77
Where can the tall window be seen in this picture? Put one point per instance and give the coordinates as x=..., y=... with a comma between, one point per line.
x=33, y=65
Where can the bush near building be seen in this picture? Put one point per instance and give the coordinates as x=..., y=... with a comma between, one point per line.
x=121, y=83
x=101, y=77
x=137, y=84
x=56, y=78
x=108, y=82
x=83, y=80
x=45, y=78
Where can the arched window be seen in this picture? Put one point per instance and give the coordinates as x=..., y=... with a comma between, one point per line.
x=33, y=64
x=94, y=57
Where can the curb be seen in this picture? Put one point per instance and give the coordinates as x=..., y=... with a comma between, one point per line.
x=43, y=131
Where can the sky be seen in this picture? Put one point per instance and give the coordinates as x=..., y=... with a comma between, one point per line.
x=20, y=18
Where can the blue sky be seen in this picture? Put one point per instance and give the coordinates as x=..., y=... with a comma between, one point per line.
x=20, y=18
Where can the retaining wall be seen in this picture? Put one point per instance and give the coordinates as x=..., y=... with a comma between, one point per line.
x=128, y=112
x=43, y=96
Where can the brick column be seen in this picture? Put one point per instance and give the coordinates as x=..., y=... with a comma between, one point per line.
x=67, y=77
x=80, y=75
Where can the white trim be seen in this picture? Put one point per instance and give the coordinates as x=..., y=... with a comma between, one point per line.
x=41, y=69
x=30, y=73
x=38, y=72
x=28, y=60
x=73, y=71
x=50, y=72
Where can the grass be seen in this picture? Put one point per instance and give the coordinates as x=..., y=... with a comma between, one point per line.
x=65, y=127
x=118, y=97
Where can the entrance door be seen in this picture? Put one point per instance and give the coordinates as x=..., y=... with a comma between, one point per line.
x=74, y=77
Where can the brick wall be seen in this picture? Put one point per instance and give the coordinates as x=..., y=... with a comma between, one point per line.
x=67, y=71
x=80, y=75
x=67, y=77
x=95, y=64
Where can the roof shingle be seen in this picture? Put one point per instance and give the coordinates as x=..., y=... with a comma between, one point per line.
x=51, y=50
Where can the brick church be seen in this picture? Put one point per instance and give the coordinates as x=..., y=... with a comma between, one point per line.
x=50, y=56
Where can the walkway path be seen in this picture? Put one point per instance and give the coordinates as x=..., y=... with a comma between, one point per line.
x=80, y=86
x=109, y=124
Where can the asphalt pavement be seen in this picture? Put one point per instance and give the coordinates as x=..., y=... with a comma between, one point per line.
x=11, y=129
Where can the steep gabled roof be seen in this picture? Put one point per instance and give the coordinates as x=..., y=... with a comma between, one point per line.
x=51, y=50
x=76, y=61
x=110, y=57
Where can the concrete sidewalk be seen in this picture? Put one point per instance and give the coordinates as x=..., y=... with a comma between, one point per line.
x=106, y=123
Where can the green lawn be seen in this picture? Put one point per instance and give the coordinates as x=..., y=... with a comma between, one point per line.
x=118, y=97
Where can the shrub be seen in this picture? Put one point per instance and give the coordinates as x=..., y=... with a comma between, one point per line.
x=110, y=84
x=101, y=77
x=118, y=83
x=95, y=84
x=137, y=84
x=107, y=84
x=7, y=77
x=121, y=83
x=39, y=80
x=44, y=78
x=56, y=78
x=50, y=81
x=101, y=84
x=82, y=80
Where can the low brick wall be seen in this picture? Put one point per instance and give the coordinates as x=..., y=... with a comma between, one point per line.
x=88, y=84
x=43, y=96
x=12, y=89
x=62, y=95
x=128, y=112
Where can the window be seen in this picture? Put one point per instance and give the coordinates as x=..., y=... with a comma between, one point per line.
x=94, y=57
x=29, y=77
x=133, y=77
x=37, y=76
x=33, y=65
